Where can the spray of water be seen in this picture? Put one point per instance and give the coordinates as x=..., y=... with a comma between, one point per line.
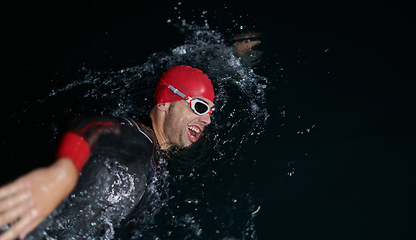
x=206, y=196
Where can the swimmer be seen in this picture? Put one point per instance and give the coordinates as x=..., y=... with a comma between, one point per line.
x=183, y=103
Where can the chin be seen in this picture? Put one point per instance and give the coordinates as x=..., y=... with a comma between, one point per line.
x=186, y=144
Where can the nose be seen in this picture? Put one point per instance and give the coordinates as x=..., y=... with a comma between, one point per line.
x=205, y=119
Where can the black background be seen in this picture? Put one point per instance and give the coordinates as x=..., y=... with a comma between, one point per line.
x=357, y=183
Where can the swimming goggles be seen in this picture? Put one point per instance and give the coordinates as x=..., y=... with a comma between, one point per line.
x=197, y=105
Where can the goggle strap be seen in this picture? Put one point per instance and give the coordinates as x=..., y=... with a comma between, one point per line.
x=176, y=91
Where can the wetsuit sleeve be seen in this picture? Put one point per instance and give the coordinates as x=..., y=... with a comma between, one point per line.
x=82, y=136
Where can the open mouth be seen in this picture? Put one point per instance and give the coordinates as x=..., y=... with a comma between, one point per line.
x=194, y=133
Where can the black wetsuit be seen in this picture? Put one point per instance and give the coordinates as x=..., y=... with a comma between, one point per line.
x=114, y=184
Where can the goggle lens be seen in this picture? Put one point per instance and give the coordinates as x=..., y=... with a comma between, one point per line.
x=201, y=108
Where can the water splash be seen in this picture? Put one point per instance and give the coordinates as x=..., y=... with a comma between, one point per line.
x=206, y=196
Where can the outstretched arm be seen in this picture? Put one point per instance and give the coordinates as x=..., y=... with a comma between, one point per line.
x=29, y=200
x=34, y=196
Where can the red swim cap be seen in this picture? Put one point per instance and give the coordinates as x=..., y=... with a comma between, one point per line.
x=188, y=80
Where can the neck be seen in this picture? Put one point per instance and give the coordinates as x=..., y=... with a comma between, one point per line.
x=157, y=124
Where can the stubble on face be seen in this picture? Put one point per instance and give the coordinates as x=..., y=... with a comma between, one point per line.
x=175, y=125
x=182, y=127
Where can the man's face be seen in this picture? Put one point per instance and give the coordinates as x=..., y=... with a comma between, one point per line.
x=182, y=126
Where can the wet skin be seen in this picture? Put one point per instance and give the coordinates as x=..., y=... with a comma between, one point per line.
x=182, y=127
x=31, y=198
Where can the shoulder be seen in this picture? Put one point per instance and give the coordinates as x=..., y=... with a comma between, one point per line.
x=142, y=129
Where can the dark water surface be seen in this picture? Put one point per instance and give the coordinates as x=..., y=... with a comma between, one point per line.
x=312, y=140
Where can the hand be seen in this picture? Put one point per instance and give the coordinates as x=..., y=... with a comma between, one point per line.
x=34, y=196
